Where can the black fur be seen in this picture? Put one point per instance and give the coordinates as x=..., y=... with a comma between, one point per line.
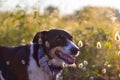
x=15, y=70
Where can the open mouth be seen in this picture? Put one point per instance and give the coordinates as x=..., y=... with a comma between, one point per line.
x=69, y=59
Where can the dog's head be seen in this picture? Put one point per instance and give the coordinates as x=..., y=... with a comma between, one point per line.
x=58, y=45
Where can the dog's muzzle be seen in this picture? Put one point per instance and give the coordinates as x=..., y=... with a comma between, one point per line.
x=68, y=53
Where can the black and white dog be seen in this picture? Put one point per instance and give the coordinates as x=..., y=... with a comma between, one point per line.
x=42, y=60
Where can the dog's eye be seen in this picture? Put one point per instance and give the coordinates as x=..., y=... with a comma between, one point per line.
x=59, y=39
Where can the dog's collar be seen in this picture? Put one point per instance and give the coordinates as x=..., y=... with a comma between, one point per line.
x=41, y=52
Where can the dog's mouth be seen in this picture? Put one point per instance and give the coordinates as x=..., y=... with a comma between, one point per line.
x=69, y=59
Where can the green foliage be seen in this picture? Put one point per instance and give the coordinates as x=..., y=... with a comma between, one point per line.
x=91, y=26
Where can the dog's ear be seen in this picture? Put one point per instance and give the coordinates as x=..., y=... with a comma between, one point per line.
x=40, y=37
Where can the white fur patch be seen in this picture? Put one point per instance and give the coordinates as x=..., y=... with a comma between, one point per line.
x=35, y=72
x=1, y=77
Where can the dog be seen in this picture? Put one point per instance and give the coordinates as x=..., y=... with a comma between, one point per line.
x=44, y=59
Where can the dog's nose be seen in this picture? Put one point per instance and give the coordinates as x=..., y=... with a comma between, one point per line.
x=74, y=50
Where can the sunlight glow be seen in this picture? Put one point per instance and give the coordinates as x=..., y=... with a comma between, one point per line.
x=65, y=6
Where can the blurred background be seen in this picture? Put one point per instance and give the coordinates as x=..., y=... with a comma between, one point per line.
x=95, y=25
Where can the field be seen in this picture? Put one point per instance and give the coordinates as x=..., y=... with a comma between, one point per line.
x=96, y=30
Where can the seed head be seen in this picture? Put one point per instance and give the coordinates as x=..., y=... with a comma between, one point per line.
x=117, y=36
x=80, y=44
x=118, y=53
x=104, y=71
x=85, y=63
x=99, y=45
x=81, y=65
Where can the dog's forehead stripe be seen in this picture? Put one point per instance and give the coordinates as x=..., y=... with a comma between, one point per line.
x=69, y=45
x=56, y=32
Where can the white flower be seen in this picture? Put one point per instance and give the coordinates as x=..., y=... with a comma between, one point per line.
x=80, y=44
x=108, y=65
x=80, y=65
x=85, y=63
x=119, y=53
x=104, y=71
x=119, y=74
x=99, y=45
x=117, y=36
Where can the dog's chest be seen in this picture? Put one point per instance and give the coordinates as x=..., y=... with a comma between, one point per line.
x=35, y=72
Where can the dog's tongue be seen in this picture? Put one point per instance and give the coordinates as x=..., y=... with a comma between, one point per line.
x=69, y=59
